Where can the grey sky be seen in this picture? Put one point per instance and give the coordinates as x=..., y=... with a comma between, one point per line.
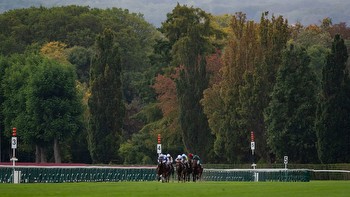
x=305, y=11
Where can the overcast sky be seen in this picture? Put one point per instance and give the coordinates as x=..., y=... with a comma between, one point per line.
x=305, y=11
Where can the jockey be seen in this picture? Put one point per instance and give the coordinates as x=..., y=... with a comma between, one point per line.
x=165, y=159
x=184, y=158
x=170, y=159
x=178, y=158
x=196, y=158
x=190, y=156
x=160, y=158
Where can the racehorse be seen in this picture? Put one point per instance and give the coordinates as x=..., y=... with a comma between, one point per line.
x=172, y=171
x=181, y=171
x=163, y=172
x=197, y=170
x=189, y=170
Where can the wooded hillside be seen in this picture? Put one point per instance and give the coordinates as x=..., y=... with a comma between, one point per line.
x=98, y=85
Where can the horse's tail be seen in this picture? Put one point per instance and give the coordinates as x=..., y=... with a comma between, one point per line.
x=200, y=171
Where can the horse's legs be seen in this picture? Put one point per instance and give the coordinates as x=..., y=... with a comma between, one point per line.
x=168, y=177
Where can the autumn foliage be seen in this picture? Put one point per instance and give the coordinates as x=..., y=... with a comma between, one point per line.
x=165, y=88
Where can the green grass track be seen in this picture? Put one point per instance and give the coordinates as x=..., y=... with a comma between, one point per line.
x=202, y=189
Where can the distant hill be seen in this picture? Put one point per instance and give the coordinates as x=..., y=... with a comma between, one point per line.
x=304, y=11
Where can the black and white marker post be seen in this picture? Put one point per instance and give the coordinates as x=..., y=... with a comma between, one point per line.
x=285, y=161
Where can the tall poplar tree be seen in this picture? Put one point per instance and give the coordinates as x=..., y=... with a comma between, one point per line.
x=273, y=36
x=106, y=101
x=235, y=105
x=239, y=57
x=188, y=29
x=333, y=125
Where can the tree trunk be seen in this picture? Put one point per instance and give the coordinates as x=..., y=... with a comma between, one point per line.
x=37, y=154
x=43, y=158
x=56, y=151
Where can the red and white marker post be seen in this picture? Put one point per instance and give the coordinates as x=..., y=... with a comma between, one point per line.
x=252, y=147
x=159, y=145
x=14, y=147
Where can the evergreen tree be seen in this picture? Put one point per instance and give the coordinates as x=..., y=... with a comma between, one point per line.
x=188, y=29
x=333, y=125
x=291, y=112
x=106, y=101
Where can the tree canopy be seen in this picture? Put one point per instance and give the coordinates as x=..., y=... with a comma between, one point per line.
x=332, y=123
x=290, y=115
x=95, y=85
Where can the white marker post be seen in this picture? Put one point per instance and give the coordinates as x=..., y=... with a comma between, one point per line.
x=14, y=159
x=285, y=159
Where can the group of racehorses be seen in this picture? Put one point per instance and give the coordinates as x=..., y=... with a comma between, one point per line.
x=183, y=171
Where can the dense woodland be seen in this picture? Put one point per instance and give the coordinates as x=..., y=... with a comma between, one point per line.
x=96, y=86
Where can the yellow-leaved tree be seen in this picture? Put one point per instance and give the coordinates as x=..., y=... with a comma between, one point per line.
x=55, y=50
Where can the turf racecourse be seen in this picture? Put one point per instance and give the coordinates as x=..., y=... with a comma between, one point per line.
x=202, y=189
